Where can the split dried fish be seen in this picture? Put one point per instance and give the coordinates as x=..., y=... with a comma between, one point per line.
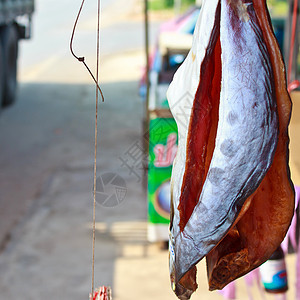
x=232, y=196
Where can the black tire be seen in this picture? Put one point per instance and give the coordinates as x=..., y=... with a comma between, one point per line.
x=9, y=39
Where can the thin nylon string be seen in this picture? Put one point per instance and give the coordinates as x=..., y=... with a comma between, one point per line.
x=98, y=90
x=96, y=142
x=82, y=58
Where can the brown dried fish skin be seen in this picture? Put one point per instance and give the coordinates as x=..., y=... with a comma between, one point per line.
x=214, y=192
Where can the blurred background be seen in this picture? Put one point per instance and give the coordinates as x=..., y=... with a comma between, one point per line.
x=47, y=147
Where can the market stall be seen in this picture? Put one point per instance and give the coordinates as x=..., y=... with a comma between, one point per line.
x=173, y=44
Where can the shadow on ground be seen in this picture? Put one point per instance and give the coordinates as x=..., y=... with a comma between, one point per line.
x=46, y=179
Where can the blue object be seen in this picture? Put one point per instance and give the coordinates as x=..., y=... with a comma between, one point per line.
x=279, y=281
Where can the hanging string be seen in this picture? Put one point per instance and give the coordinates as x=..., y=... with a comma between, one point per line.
x=96, y=142
x=82, y=58
x=98, y=89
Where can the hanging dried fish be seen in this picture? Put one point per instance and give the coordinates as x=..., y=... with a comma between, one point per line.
x=232, y=197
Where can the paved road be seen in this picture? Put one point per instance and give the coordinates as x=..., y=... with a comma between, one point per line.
x=46, y=157
x=53, y=92
x=46, y=160
x=47, y=57
x=52, y=26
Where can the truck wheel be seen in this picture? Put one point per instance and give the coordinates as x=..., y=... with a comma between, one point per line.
x=9, y=39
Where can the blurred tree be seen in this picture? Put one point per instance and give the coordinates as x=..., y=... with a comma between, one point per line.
x=169, y=3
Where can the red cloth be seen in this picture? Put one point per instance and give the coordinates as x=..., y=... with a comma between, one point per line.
x=100, y=294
